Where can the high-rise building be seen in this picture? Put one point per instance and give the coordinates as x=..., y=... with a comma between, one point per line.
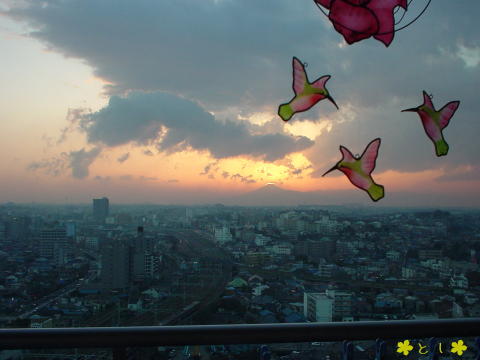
x=222, y=235
x=115, y=264
x=71, y=228
x=2, y=231
x=53, y=244
x=100, y=209
x=144, y=262
x=317, y=307
x=342, y=303
x=152, y=265
x=328, y=306
x=188, y=215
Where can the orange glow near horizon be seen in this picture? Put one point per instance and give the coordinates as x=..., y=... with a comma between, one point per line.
x=186, y=169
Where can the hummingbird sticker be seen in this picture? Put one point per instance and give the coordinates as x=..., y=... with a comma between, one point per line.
x=306, y=94
x=435, y=121
x=359, y=169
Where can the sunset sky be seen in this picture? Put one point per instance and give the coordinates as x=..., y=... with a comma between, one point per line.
x=175, y=101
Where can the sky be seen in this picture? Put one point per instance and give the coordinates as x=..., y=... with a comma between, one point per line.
x=176, y=101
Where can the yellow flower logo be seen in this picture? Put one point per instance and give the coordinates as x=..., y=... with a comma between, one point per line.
x=404, y=347
x=458, y=347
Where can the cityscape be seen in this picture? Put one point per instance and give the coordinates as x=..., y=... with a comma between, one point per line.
x=105, y=264
x=239, y=180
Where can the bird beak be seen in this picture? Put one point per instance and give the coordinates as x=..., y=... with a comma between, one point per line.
x=411, y=110
x=333, y=101
x=333, y=168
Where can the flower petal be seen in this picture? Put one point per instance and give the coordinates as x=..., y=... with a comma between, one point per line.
x=357, y=2
x=383, y=10
x=355, y=23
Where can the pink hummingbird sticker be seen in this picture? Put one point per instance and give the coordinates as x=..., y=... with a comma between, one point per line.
x=359, y=169
x=306, y=94
x=357, y=20
x=435, y=121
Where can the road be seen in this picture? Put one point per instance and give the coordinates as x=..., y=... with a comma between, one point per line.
x=53, y=297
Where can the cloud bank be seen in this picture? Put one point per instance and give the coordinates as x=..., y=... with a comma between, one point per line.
x=174, y=124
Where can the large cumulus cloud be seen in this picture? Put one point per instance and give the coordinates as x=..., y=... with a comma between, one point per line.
x=173, y=124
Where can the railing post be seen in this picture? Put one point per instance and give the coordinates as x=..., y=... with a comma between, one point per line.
x=433, y=349
x=379, y=349
x=119, y=353
x=477, y=342
x=347, y=350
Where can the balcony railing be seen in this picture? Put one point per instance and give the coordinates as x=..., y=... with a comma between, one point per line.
x=120, y=338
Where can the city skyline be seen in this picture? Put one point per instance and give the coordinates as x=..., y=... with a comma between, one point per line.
x=87, y=116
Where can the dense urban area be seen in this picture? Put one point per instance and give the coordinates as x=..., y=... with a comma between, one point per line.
x=113, y=265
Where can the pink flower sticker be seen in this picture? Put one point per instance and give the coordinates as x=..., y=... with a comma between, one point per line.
x=357, y=20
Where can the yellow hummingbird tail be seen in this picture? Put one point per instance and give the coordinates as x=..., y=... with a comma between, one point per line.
x=285, y=111
x=441, y=147
x=376, y=192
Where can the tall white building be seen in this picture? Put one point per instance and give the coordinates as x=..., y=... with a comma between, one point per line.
x=317, y=307
x=222, y=235
x=328, y=306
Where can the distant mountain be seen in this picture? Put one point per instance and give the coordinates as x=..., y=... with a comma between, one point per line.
x=269, y=195
x=273, y=195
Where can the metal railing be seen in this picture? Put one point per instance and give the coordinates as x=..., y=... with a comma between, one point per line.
x=119, y=338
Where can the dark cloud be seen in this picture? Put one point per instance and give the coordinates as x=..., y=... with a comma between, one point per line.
x=292, y=171
x=207, y=168
x=176, y=124
x=205, y=50
x=73, y=117
x=79, y=161
x=244, y=179
x=126, y=177
x=299, y=171
x=123, y=157
x=147, y=152
x=54, y=166
x=221, y=58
